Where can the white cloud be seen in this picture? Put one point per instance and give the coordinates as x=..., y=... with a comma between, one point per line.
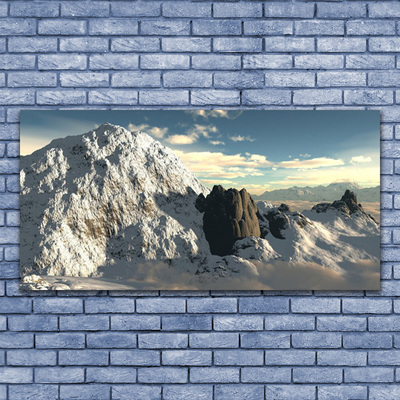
x=181, y=139
x=240, y=138
x=215, y=113
x=151, y=130
x=313, y=163
x=305, y=155
x=217, y=142
x=192, y=134
x=360, y=159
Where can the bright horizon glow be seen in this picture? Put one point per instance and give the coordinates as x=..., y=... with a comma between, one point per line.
x=258, y=150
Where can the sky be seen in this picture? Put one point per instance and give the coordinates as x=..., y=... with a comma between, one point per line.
x=256, y=149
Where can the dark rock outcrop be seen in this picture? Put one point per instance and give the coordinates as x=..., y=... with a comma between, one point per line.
x=229, y=215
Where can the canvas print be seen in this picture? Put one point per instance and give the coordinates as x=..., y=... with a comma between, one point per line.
x=200, y=200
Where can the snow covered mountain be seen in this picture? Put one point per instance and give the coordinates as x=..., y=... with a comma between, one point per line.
x=321, y=193
x=119, y=206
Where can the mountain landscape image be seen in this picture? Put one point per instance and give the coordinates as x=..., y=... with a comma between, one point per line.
x=199, y=200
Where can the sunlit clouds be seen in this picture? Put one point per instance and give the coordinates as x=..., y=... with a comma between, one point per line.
x=313, y=163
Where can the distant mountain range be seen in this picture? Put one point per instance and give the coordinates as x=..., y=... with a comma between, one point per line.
x=321, y=193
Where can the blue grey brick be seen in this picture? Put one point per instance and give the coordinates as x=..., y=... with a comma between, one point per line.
x=368, y=97
x=135, y=357
x=135, y=322
x=32, y=391
x=289, y=79
x=162, y=375
x=234, y=392
x=215, y=97
x=341, y=45
x=110, y=96
x=13, y=340
x=346, y=10
x=390, y=150
x=318, y=340
x=85, y=9
x=237, y=45
x=266, y=96
x=136, y=392
x=180, y=9
x=214, y=340
x=113, y=26
x=264, y=375
x=61, y=27
x=386, y=323
x=342, y=358
x=214, y=375
x=61, y=61
x=289, y=392
x=383, y=357
x=288, y=10
x=60, y=375
x=382, y=10
x=368, y=374
x=32, y=323
x=61, y=97
x=88, y=45
x=186, y=357
x=84, y=323
x=57, y=306
x=317, y=375
x=135, y=44
x=386, y=201
x=83, y=357
x=289, y=323
x=19, y=26
x=238, y=357
x=367, y=341
x=194, y=45
x=137, y=9
x=31, y=357
x=325, y=306
x=212, y=305
x=317, y=96
x=342, y=78
x=90, y=391
x=12, y=151
x=165, y=28
x=34, y=9
x=341, y=323
x=111, y=375
x=12, y=181
x=347, y=392
x=216, y=27
x=179, y=392
x=164, y=61
x=113, y=61
x=34, y=79
x=380, y=392
x=17, y=61
x=260, y=340
x=267, y=61
x=163, y=340
x=3, y=320
x=319, y=61
x=366, y=306
x=137, y=79
x=268, y=27
x=16, y=375
x=17, y=305
x=284, y=44
x=109, y=340
x=269, y=305
x=109, y=305
x=387, y=44
x=365, y=27
x=176, y=97
x=369, y=61
x=238, y=80
x=318, y=27
x=215, y=62
x=32, y=45
x=3, y=9
x=83, y=79
x=8, y=200
x=10, y=270
x=186, y=79
x=240, y=323
x=187, y=323
x=290, y=357
x=239, y=10
x=386, y=132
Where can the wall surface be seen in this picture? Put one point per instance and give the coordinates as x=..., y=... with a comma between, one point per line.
x=200, y=345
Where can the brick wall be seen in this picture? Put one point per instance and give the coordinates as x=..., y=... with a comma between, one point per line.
x=199, y=345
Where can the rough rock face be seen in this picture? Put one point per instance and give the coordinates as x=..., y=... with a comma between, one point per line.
x=229, y=215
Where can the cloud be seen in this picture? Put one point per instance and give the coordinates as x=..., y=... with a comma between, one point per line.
x=360, y=159
x=217, y=143
x=181, y=139
x=215, y=113
x=155, y=131
x=305, y=155
x=313, y=163
x=192, y=134
x=240, y=138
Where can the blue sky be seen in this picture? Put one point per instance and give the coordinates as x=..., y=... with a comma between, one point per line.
x=259, y=150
